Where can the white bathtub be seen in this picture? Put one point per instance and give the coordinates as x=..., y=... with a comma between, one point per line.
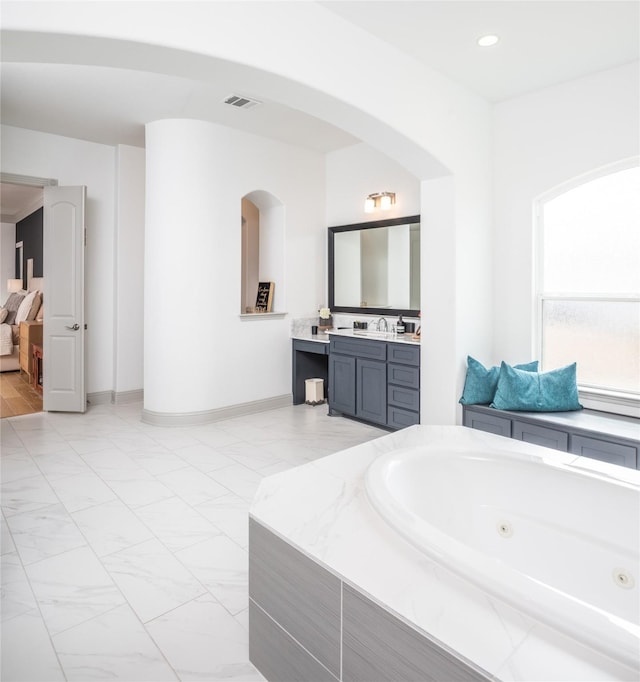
x=556, y=542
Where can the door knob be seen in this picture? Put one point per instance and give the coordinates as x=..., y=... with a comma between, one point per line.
x=75, y=327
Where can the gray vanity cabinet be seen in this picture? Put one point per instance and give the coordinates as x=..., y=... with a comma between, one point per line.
x=376, y=381
x=358, y=378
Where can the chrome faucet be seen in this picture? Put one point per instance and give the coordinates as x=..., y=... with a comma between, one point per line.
x=380, y=323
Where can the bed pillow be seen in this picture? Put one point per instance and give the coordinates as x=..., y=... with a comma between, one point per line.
x=25, y=307
x=480, y=383
x=12, y=305
x=554, y=391
x=3, y=314
x=35, y=307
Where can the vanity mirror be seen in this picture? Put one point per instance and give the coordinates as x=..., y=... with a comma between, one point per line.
x=374, y=267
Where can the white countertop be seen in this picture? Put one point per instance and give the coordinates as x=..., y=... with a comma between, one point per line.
x=322, y=509
x=390, y=337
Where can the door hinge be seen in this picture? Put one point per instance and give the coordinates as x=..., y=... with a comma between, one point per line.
x=85, y=236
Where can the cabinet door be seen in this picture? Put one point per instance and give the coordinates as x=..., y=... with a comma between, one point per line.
x=371, y=391
x=342, y=383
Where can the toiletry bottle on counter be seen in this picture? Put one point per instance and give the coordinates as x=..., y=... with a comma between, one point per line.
x=400, y=326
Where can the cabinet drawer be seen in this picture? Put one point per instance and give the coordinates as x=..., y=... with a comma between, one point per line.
x=362, y=348
x=403, y=375
x=487, y=422
x=403, y=397
x=404, y=354
x=317, y=347
x=605, y=451
x=540, y=435
x=399, y=418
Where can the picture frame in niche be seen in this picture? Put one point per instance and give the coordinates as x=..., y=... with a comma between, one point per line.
x=264, y=299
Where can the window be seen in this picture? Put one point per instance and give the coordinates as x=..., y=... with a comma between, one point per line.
x=588, y=283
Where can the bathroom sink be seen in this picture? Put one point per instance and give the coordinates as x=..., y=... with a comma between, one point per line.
x=374, y=334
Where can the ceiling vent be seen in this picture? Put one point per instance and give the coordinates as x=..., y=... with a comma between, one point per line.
x=241, y=102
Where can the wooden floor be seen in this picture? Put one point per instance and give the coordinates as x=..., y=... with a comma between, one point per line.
x=17, y=396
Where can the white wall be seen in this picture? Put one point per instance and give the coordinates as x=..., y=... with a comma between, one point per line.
x=7, y=257
x=76, y=162
x=128, y=324
x=200, y=355
x=357, y=171
x=541, y=141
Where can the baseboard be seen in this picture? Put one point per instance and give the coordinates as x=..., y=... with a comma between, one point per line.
x=219, y=414
x=100, y=398
x=124, y=397
x=113, y=398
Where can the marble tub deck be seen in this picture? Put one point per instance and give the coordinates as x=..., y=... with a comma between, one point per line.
x=124, y=545
x=323, y=510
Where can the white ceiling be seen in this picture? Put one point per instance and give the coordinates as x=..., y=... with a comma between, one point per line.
x=542, y=43
x=18, y=201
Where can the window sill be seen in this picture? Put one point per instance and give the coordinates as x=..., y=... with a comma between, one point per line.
x=609, y=401
x=262, y=316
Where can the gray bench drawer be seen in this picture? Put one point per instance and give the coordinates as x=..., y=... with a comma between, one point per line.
x=540, y=435
x=487, y=422
x=615, y=453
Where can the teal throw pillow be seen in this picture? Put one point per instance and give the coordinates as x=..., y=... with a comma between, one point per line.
x=480, y=383
x=554, y=391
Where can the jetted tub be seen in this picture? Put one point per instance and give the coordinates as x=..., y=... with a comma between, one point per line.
x=551, y=539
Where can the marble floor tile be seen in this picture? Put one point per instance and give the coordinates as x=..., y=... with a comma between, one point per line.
x=27, y=652
x=7, y=545
x=26, y=494
x=111, y=527
x=192, y=485
x=16, y=465
x=152, y=579
x=156, y=459
x=113, y=646
x=80, y=491
x=222, y=567
x=71, y=588
x=158, y=588
x=60, y=462
x=204, y=457
x=139, y=489
x=240, y=480
x=17, y=596
x=176, y=524
x=203, y=642
x=229, y=513
x=44, y=533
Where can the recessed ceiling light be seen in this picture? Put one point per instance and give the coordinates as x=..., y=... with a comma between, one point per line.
x=488, y=40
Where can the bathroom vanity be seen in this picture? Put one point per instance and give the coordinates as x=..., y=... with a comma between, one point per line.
x=375, y=379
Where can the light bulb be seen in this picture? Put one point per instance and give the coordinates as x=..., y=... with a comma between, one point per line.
x=369, y=205
x=385, y=202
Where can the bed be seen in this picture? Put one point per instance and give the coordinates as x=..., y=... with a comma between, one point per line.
x=20, y=306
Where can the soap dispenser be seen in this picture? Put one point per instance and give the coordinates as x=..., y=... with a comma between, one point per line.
x=400, y=326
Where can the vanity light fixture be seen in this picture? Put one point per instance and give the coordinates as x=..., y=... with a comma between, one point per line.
x=14, y=285
x=381, y=200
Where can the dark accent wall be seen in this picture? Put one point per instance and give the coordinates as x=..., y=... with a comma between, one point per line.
x=29, y=232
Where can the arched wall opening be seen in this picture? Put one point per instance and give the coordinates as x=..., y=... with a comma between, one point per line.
x=263, y=249
x=443, y=135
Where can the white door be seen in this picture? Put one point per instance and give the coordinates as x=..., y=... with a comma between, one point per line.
x=63, y=300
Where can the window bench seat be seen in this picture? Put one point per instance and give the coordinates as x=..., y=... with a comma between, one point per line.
x=608, y=437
